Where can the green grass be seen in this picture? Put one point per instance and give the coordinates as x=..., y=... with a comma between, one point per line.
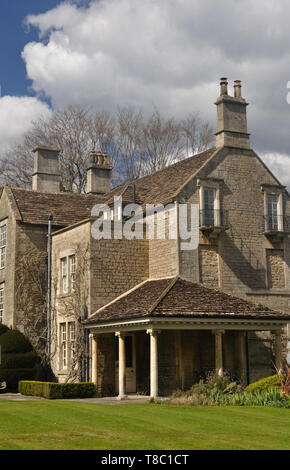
x=64, y=425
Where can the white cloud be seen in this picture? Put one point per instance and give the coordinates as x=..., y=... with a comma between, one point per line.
x=170, y=53
x=279, y=164
x=16, y=116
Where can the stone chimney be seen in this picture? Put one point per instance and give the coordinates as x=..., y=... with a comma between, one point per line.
x=232, y=117
x=98, y=174
x=46, y=176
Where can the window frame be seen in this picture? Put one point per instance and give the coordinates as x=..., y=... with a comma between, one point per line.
x=3, y=245
x=210, y=185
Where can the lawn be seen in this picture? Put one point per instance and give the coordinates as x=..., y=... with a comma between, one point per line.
x=64, y=425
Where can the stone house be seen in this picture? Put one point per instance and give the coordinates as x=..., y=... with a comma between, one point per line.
x=158, y=315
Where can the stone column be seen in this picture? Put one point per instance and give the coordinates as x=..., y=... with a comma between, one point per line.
x=242, y=357
x=218, y=351
x=278, y=350
x=122, y=366
x=94, y=358
x=153, y=363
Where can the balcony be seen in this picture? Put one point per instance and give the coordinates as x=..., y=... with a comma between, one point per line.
x=276, y=226
x=213, y=222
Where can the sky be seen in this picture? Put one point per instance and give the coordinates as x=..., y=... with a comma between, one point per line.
x=170, y=53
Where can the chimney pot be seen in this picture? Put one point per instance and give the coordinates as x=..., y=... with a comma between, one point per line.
x=224, y=86
x=238, y=88
x=98, y=174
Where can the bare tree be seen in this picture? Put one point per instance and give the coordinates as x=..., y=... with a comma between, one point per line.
x=136, y=145
x=162, y=142
x=197, y=135
x=75, y=131
x=128, y=141
x=31, y=299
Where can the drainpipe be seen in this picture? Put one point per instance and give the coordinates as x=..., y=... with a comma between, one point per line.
x=48, y=312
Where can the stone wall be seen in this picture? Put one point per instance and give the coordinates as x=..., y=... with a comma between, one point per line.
x=209, y=266
x=106, y=357
x=276, y=269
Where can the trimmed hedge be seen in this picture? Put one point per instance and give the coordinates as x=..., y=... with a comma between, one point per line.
x=265, y=384
x=52, y=390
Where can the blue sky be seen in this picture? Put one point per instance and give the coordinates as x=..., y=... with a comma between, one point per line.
x=170, y=53
x=13, y=37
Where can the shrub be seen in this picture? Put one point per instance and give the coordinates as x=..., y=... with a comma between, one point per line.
x=265, y=384
x=54, y=391
x=19, y=361
x=13, y=341
x=3, y=328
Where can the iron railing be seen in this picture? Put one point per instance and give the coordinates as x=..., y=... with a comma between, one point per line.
x=276, y=223
x=210, y=218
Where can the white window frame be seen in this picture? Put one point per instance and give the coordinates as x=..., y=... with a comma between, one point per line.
x=63, y=345
x=279, y=196
x=3, y=245
x=211, y=185
x=72, y=271
x=72, y=340
x=64, y=275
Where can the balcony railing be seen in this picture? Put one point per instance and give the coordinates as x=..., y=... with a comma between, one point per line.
x=211, y=218
x=276, y=224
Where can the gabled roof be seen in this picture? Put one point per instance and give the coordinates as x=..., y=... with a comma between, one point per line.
x=161, y=187
x=176, y=297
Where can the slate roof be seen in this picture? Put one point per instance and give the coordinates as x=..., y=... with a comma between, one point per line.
x=68, y=208
x=176, y=297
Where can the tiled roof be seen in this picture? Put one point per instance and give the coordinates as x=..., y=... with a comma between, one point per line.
x=66, y=208
x=162, y=186
x=176, y=297
x=69, y=208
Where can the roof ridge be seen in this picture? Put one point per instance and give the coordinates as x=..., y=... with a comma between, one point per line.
x=124, y=294
x=162, y=295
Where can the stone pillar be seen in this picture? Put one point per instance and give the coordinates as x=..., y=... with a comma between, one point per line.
x=218, y=351
x=153, y=363
x=242, y=357
x=278, y=350
x=94, y=358
x=122, y=366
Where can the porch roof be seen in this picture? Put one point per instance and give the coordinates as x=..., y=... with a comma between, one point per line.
x=178, y=298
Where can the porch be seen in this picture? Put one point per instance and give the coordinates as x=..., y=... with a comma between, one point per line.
x=163, y=335
x=163, y=358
